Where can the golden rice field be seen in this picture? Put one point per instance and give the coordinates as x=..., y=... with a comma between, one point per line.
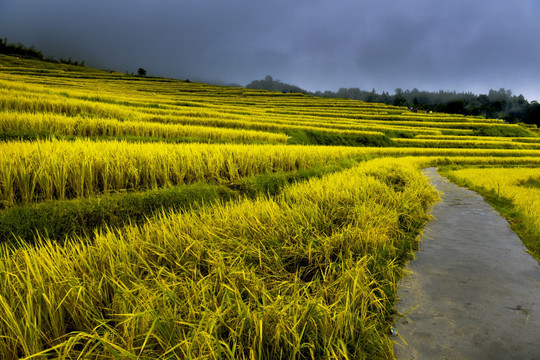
x=152, y=218
x=469, y=143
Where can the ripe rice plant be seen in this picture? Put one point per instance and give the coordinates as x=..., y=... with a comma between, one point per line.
x=268, y=124
x=301, y=271
x=488, y=154
x=85, y=126
x=167, y=101
x=370, y=111
x=48, y=170
x=310, y=274
x=462, y=143
x=480, y=138
x=39, y=102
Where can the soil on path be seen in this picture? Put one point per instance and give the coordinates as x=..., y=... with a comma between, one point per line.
x=473, y=292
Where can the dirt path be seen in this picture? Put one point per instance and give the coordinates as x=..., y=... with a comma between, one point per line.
x=473, y=291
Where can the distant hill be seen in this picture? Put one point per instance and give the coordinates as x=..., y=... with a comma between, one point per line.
x=274, y=85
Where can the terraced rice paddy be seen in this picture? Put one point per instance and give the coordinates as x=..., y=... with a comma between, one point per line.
x=154, y=218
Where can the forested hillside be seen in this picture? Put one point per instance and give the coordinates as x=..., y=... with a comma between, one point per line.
x=500, y=103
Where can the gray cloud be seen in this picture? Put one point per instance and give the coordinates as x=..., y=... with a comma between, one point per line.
x=463, y=45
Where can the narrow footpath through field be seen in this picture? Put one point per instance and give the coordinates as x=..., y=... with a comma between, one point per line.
x=473, y=292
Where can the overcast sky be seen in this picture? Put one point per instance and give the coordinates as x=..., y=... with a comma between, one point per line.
x=461, y=45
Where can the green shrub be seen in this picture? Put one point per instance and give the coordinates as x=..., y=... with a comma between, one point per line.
x=314, y=137
x=503, y=130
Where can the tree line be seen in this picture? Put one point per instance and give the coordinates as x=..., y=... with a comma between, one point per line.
x=500, y=103
x=31, y=52
x=274, y=85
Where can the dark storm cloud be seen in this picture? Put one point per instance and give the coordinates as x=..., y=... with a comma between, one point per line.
x=452, y=45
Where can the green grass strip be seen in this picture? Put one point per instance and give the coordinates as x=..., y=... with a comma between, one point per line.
x=314, y=137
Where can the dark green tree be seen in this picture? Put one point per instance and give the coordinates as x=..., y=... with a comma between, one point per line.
x=399, y=99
